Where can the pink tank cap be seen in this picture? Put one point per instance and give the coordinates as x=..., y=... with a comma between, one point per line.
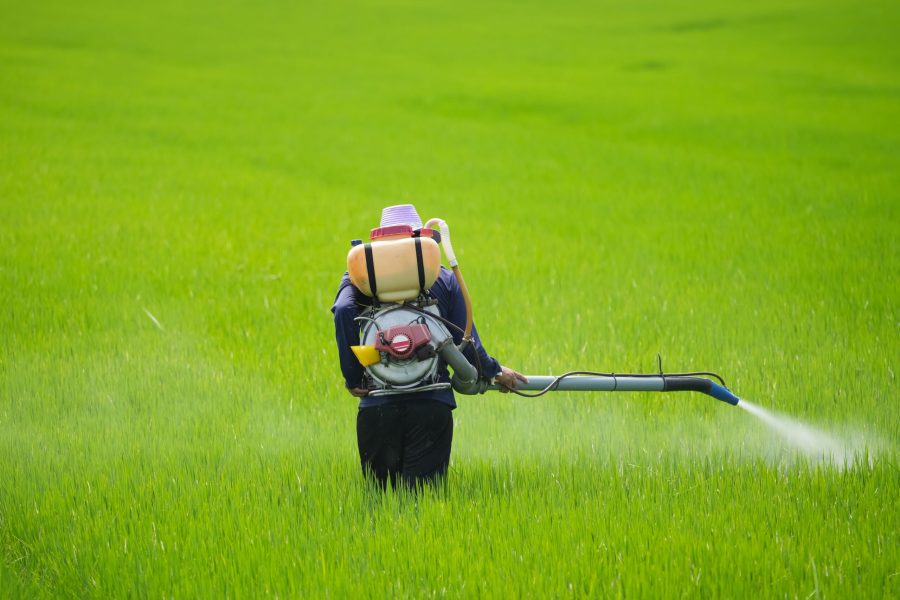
x=404, y=230
x=380, y=232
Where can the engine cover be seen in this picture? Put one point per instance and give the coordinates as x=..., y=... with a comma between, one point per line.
x=400, y=341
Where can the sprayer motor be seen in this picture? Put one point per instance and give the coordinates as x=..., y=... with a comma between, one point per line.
x=407, y=341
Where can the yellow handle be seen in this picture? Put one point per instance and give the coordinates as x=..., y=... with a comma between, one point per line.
x=366, y=355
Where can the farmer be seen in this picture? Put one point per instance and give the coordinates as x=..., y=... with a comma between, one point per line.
x=407, y=437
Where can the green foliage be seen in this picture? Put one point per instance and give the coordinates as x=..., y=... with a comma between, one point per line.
x=714, y=182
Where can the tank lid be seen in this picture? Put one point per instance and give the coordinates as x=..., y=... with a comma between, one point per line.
x=391, y=230
x=406, y=230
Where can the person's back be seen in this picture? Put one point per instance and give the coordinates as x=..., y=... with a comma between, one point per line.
x=407, y=436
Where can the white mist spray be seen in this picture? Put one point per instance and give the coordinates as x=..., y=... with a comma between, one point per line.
x=813, y=443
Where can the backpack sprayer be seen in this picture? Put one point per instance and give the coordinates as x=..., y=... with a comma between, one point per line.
x=404, y=338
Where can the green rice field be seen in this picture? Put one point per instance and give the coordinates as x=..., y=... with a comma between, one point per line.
x=713, y=182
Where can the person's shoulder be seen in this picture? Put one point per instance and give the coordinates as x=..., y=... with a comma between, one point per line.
x=347, y=294
x=345, y=281
x=445, y=281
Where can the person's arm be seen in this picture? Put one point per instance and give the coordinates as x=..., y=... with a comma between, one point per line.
x=490, y=367
x=346, y=332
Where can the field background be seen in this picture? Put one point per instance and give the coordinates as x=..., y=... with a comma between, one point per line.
x=715, y=182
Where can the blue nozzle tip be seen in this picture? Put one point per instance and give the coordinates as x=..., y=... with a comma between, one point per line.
x=720, y=392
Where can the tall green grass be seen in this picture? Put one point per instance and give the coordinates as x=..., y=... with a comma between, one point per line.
x=713, y=183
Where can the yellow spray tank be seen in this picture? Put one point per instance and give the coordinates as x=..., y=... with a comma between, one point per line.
x=396, y=265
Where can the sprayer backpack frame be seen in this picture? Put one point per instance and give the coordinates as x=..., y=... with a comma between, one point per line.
x=404, y=342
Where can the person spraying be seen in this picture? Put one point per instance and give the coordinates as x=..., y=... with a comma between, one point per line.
x=400, y=319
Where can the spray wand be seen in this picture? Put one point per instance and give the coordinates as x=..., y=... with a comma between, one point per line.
x=592, y=381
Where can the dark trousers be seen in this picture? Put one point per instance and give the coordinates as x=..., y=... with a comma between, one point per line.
x=407, y=441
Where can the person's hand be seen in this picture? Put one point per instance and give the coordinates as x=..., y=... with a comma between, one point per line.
x=358, y=391
x=509, y=379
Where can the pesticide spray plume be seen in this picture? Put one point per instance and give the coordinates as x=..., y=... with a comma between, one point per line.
x=811, y=442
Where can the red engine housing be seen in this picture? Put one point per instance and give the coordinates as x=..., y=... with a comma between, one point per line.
x=401, y=341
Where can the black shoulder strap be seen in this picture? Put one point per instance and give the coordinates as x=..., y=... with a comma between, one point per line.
x=370, y=267
x=420, y=264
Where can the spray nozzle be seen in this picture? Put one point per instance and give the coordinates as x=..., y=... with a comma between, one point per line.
x=720, y=392
x=699, y=384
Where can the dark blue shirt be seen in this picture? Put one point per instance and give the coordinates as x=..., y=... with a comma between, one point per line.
x=349, y=303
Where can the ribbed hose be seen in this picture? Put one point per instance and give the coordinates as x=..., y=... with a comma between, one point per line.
x=454, y=265
x=467, y=335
